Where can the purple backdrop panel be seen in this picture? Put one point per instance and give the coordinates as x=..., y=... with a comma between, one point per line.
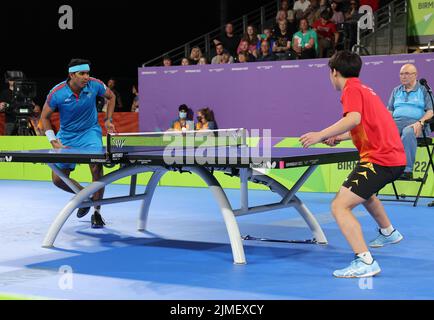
x=289, y=97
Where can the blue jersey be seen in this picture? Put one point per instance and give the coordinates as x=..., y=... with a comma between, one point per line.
x=79, y=127
x=77, y=113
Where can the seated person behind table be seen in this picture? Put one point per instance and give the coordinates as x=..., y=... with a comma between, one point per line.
x=410, y=106
x=205, y=120
x=182, y=123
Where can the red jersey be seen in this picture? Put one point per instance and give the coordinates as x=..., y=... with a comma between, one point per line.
x=376, y=137
x=326, y=30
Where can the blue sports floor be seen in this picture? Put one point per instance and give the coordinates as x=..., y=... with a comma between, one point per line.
x=186, y=255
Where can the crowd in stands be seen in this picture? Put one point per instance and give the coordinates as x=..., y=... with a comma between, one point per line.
x=303, y=29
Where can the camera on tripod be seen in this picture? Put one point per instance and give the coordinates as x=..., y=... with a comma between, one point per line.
x=21, y=105
x=23, y=94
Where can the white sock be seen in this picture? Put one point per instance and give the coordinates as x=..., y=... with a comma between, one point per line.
x=97, y=210
x=388, y=231
x=366, y=257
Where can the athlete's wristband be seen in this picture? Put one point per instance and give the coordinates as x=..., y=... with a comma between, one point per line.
x=50, y=135
x=105, y=119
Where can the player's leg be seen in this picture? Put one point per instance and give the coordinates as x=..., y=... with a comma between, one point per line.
x=361, y=184
x=387, y=234
x=341, y=208
x=97, y=173
x=364, y=264
x=58, y=182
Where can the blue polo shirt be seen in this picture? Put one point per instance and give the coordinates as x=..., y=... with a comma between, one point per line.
x=413, y=104
x=79, y=125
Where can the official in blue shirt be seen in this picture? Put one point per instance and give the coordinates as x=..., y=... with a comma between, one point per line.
x=75, y=100
x=410, y=106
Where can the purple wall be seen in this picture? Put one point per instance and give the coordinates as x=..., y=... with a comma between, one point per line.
x=290, y=97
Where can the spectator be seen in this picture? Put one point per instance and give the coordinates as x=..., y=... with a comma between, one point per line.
x=265, y=54
x=202, y=61
x=226, y=58
x=328, y=35
x=251, y=36
x=282, y=40
x=111, y=83
x=243, y=57
x=35, y=121
x=182, y=123
x=229, y=40
x=352, y=13
x=6, y=97
x=410, y=106
x=305, y=42
x=195, y=55
x=267, y=35
x=313, y=12
x=185, y=62
x=219, y=55
x=167, y=62
x=351, y=17
x=135, y=105
x=300, y=7
x=205, y=120
x=374, y=4
x=338, y=16
x=324, y=5
x=284, y=5
x=282, y=15
x=245, y=48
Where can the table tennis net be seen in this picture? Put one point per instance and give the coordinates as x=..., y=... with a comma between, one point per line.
x=150, y=141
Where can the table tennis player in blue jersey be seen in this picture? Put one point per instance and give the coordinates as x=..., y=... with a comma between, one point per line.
x=75, y=100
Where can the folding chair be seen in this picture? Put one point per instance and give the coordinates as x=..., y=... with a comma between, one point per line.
x=428, y=144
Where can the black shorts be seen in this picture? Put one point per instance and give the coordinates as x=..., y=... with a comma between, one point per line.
x=369, y=178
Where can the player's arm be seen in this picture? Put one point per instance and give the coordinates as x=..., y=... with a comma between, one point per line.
x=46, y=124
x=347, y=123
x=111, y=101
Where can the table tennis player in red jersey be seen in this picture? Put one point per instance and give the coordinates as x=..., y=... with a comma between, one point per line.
x=369, y=124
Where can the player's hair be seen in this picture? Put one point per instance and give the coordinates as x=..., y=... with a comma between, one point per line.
x=77, y=62
x=347, y=63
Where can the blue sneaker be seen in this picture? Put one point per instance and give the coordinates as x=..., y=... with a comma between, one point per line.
x=358, y=269
x=383, y=240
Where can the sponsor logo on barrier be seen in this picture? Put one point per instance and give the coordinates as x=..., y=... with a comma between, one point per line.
x=290, y=66
x=403, y=61
x=193, y=71
x=119, y=143
x=145, y=73
x=240, y=69
x=264, y=67
x=429, y=60
x=216, y=70
x=171, y=71
x=317, y=65
x=374, y=63
x=8, y=159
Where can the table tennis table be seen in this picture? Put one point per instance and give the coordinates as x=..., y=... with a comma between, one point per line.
x=243, y=161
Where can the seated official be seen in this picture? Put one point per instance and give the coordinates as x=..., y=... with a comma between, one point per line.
x=205, y=120
x=410, y=106
x=182, y=123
